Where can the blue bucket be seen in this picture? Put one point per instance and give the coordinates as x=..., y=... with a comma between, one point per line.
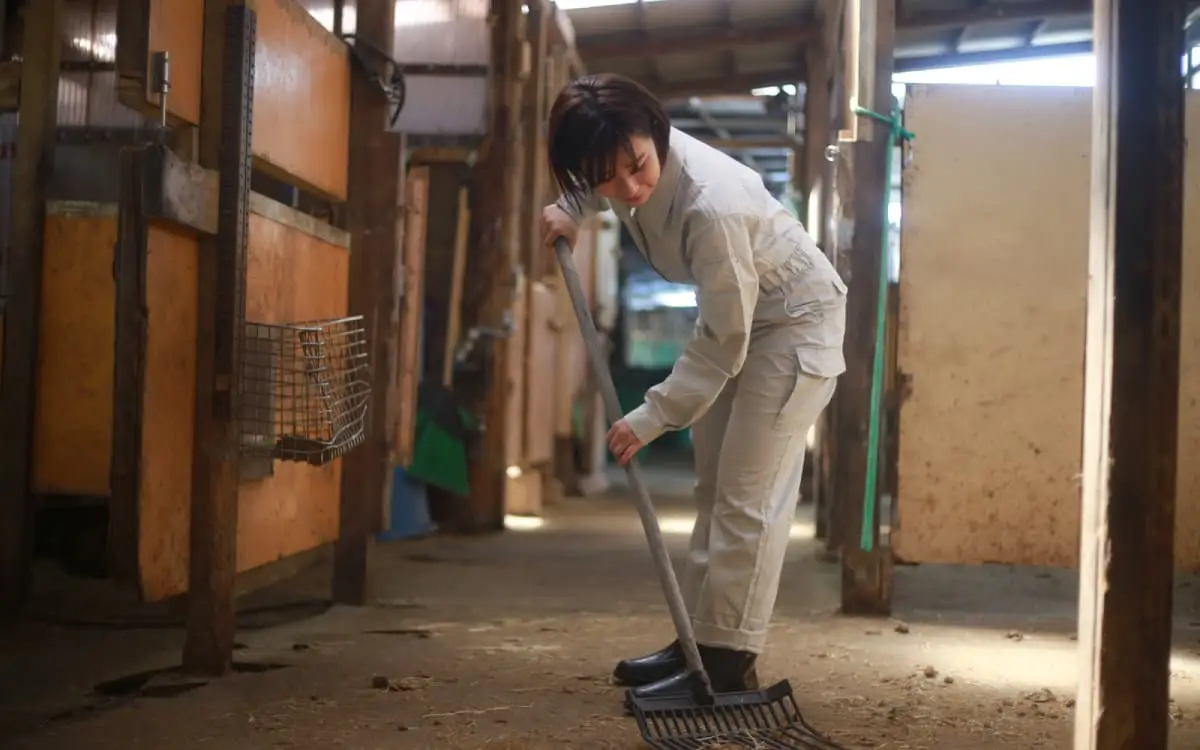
x=409, y=509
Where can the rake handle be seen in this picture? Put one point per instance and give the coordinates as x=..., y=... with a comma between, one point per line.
x=614, y=413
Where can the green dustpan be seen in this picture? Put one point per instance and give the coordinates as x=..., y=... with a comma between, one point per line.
x=442, y=433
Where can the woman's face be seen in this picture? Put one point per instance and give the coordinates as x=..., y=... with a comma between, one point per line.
x=635, y=175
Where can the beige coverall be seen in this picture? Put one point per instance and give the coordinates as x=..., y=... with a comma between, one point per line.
x=754, y=379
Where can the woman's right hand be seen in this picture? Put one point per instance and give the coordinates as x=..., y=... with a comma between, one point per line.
x=558, y=223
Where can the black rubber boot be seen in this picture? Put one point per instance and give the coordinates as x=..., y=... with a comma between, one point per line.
x=729, y=671
x=643, y=670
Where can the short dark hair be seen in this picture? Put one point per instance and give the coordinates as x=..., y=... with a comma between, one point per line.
x=594, y=116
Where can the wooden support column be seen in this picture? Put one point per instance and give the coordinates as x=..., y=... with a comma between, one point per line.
x=31, y=175
x=230, y=34
x=866, y=575
x=375, y=202
x=533, y=122
x=1131, y=394
x=810, y=187
x=494, y=196
x=817, y=137
x=831, y=15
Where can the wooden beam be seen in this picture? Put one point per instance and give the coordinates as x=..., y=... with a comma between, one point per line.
x=31, y=173
x=440, y=155
x=225, y=137
x=960, y=59
x=129, y=367
x=412, y=299
x=749, y=144
x=866, y=575
x=738, y=84
x=703, y=39
x=180, y=192
x=10, y=86
x=374, y=205
x=1131, y=393
x=184, y=193
x=990, y=12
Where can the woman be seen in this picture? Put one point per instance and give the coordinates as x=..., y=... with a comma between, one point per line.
x=762, y=365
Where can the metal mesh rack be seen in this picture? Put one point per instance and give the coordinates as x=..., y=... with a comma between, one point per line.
x=305, y=389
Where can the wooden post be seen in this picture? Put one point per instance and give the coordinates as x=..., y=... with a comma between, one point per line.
x=866, y=575
x=31, y=175
x=230, y=33
x=816, y=131
x=831, y=15
x=494, y=195
x=372, y=214
x=1131, y=394
x=810, y=188
x=533, y=121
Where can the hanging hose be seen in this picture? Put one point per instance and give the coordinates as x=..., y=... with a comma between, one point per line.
x=390, y=80
x=896, y=132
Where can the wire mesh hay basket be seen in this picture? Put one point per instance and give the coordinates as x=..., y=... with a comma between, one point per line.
x=305, y=389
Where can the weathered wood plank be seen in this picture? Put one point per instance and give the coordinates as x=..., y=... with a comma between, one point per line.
x=408, y=374
x=31, y=171
x=185, y=193
x=495, y=246
x=225, y=134
x=1131, y=392
x=302, y=82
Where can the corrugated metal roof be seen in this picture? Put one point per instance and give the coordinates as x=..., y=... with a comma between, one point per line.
x=624, y=37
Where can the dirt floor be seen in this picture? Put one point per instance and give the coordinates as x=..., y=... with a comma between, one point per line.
x=508, y=642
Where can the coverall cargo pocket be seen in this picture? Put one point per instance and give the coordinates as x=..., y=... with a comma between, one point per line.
x=821, y=361
x=799, y=408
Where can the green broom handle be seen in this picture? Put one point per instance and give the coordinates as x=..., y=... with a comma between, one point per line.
x=870, y=491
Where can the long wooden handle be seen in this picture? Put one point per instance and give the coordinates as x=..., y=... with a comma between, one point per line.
x=645, y=507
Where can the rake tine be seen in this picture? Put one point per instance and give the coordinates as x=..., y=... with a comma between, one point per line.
x=755, y=720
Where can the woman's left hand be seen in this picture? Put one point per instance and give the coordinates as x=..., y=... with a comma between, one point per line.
x=622, y=442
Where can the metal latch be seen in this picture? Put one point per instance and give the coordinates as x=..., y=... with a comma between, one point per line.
x=475, y=333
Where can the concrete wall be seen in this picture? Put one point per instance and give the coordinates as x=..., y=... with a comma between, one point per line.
x=993, y=277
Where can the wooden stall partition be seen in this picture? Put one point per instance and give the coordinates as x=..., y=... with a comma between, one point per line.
x=992, y=295
x=297, y=271
x=301, y=99
x=73, y=409
x=292, y=275
x=168, y=410
x=155, y=297
x=993, y=279
x=145, y=27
